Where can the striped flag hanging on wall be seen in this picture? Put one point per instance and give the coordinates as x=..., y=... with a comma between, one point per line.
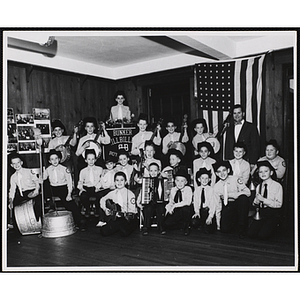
x=221, y=85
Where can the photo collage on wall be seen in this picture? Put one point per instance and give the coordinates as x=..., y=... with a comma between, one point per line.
x=21, y=130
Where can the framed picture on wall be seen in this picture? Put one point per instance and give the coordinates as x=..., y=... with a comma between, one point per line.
x=25, y=133
x=27, y=147
x=44, y=126
x=12, y=147
x=10, y=115
x=24, y=119
x=12, y=134
x=41, y=113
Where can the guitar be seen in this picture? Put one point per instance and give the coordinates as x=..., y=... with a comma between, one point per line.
x=94, y=144
x=178, y=145
x=65, y=148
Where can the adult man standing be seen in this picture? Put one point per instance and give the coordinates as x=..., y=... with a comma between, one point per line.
x=242, y=131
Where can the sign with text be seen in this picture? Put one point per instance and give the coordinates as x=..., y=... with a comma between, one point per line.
x=120, y=138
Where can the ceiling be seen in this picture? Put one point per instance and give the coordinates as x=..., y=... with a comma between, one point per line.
x=121, y=54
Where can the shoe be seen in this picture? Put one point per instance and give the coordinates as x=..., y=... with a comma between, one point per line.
x=92, y=213
x=163, y=232
x=100, y=224
x=187, y=231
x=145, y=232
x=82, y=226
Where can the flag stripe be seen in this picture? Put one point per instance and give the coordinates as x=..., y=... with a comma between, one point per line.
x=223, y=84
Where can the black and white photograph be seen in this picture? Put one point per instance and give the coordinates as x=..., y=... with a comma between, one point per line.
x=207, y=181
x=44, y=126
x=27, y=147
x=41, y=113
x=24, y=119
x=12, y=147
x=25, y=132
x=12, y=134
x=10, y=115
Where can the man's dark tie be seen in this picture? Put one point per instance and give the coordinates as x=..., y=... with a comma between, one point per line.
x=178, y=197
x=202, y=197
x=238, y=123
x=265, y=195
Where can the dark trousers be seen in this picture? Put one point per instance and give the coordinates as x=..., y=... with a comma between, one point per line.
x=121, y=224
x=37, y=202
x=264, y=228
x=148, y=212
x=180, y=218
x=102, y=215
x=235, y=213
x=201, y=222
x=62, y=192
x=85, y=196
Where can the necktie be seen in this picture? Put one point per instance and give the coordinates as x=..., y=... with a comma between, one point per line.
x=265, y=195
x=237, y=168
x=20, y=183
x=178, y=196
x=120, y=115
x=225, y=194
x=120, y=198
x=55, y=179
x=91, y=175
x=202, y=198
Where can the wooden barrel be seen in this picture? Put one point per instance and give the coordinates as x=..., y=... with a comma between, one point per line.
x=26, y=220
x=58, y=224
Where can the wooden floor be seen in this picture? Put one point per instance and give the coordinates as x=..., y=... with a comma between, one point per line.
x=174, y=251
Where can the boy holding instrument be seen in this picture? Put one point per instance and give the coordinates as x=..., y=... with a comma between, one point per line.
x=155, y=205
x=120, y=209
x=24, y=185
x=91, y=140
x=138, y=140
x=268, y=201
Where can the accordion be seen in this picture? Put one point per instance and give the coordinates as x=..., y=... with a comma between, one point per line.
x=155, y=190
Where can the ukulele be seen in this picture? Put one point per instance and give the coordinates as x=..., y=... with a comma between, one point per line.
x=179, y=145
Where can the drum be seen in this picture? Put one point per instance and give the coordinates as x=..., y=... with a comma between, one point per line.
x=179, y=146
x=214, y=143
x=26, y=220
x=65, y=152
x=94, y=145
x=58, y=224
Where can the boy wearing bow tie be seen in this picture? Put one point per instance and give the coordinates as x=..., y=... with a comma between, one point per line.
x=178, y=210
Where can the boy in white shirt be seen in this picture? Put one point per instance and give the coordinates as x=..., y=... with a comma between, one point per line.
x=178, y=210
x=205, y=203
x=89, y=182
x=119, y=206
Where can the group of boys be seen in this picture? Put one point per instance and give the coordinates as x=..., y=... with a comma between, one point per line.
x=215, y=196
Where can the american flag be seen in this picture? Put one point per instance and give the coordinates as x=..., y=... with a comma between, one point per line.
x=221, y=85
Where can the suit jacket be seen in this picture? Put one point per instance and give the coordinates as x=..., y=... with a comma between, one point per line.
x=249, y=136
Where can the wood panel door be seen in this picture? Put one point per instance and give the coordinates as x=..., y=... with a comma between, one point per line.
x=168, y=100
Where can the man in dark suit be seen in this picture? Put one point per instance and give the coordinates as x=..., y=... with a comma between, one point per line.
x=242, y=131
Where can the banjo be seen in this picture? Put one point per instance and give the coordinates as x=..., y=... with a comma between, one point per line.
x=65, y=148
x=178, y=145
x=94, y=144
